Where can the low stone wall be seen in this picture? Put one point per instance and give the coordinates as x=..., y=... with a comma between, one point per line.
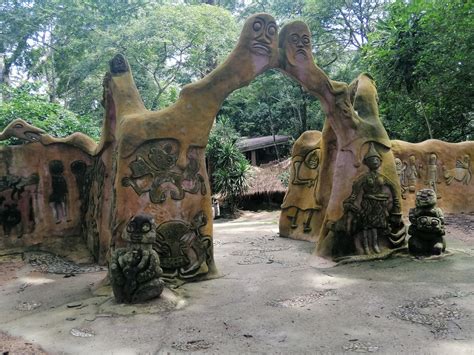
x=444, y=167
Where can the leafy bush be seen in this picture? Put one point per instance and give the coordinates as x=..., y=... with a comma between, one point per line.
x=230, y=169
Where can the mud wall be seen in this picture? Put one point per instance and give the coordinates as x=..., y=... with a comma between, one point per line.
x=43, y=192
x=445, y=167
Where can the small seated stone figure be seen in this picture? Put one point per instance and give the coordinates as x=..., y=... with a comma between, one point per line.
x=427, y=226
x=135, y=270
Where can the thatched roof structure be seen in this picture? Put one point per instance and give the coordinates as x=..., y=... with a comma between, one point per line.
x=264, y=179
x=248, y=144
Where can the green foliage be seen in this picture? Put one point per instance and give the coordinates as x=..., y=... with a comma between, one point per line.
x=230, y=169
x=420, y=54
x=272, y=104
x=422, y=58
x=38, y=111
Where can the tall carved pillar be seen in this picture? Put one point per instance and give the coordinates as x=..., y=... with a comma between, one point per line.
x=357, y=165
x=159, y=160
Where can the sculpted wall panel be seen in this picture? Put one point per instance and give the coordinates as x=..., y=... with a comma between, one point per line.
x=42, y=193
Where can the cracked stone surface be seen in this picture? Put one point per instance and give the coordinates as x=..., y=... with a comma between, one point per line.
x=438, y=313
x=54, y=264
x=303, y=300
x=273, y=296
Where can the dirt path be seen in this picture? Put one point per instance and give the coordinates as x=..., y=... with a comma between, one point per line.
x=270, y=299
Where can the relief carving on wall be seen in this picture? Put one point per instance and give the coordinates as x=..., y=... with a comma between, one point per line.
x=155, y=171
x=182, y=247
x=462, y=173
x=16, y=203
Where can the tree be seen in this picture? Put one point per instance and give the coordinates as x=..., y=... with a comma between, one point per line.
x=38, y=111
x=272, y=104
x=421, y=57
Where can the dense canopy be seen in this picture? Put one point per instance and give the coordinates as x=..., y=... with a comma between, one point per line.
x=53, y=55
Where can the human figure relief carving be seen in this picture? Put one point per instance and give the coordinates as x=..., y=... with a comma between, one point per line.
x=433, y=174
x=306, y=173
x=462, y=173
x=372, y=205
x=58, y=198
x=401, y=172
x=412, y=173
x=17, y=198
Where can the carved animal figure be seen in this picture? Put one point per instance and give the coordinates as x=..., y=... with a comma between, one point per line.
x=427, y=225
x=135, y=270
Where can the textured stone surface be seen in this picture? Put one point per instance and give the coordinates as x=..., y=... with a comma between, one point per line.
x=352, y=126
x=146, y=162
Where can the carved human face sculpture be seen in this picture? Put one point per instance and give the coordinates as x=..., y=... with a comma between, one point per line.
x=140, y=229
x=398, y=164
x=260, y=33
x=312, y=159
x=425, y=198
x=295, y=41
x=373, y=163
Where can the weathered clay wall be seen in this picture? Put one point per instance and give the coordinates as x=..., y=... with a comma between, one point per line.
x=42, y=193
x=445, y=167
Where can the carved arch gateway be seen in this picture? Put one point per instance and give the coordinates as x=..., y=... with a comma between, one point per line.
x=153, y=162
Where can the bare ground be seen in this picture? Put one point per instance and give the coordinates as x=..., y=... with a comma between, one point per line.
x=273, y=297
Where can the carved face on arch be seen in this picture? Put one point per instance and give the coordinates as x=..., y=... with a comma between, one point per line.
x=295, y=40
x=260, y=34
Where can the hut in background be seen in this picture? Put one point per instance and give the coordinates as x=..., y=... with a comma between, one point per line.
x=266, y=187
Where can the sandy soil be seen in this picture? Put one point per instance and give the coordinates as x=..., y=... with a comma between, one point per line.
x=273, y=297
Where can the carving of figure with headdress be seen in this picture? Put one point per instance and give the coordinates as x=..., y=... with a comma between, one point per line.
x=372, y=202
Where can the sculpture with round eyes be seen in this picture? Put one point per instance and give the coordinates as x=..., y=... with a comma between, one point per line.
x=427, y=226
x=264, y=31
x=295, y=40
x=352, y=123
x=135, y=270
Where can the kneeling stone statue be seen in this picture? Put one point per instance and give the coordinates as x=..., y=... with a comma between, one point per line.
x=427, y=225
x=135, y=270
